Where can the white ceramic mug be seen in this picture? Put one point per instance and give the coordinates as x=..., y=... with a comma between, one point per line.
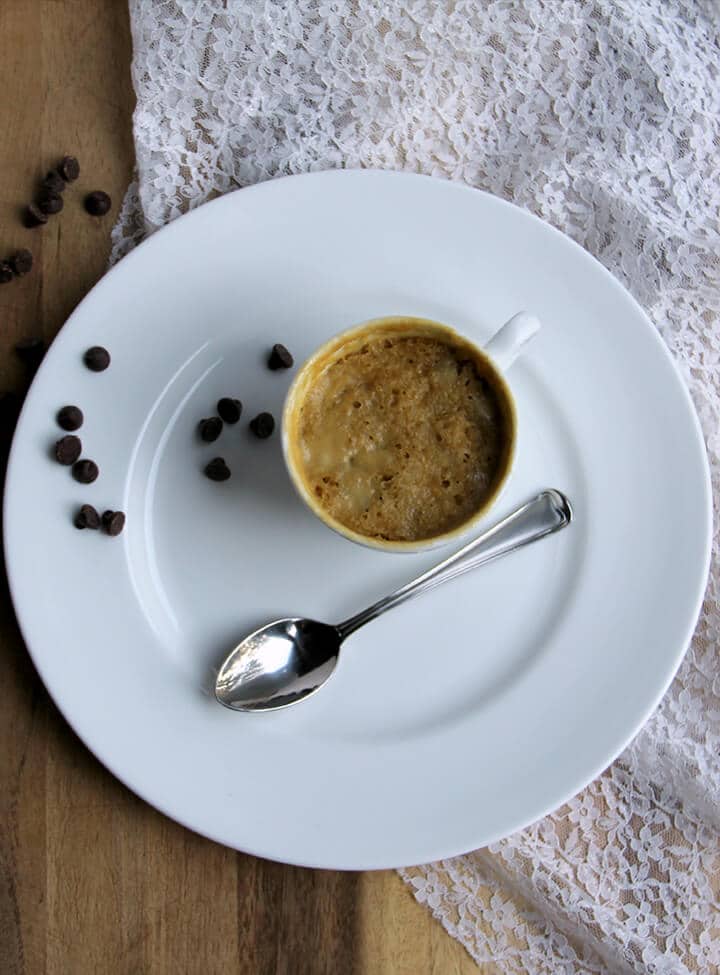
x=499, y=352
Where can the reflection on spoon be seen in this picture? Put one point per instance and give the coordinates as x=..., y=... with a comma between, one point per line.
x=286, y=661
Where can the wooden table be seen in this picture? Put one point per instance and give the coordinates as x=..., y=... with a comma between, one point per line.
x=93, y=880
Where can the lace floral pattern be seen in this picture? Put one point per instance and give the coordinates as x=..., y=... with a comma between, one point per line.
x=602, y=117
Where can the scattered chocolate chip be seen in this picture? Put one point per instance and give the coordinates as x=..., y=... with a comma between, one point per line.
x=69, y=169
x=67, y=450
x=33, y=216
x=21, y=262
x=263, y=425
x=97, y=358
x=98, y=203
x=70, y=418
x=49, y=202
x=87, y=517
x=229, y=409
x=210, y=429
x=30, y=352
x=54, y=182
x=6, y=272
x=85, y=471
x=217, y=470
x=10, y=405
x=280, y=358
x=113, y=522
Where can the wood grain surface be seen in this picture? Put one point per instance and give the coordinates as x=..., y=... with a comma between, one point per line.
x=92, y=880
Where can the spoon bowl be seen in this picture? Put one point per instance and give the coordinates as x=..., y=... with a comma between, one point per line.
x=278, y=665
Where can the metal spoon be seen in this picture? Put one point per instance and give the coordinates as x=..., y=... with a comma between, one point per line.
x=286, y=661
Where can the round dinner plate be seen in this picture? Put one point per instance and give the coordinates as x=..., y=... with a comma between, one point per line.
x=453, y=720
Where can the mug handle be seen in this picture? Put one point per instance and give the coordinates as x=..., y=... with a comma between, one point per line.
x=510, y=339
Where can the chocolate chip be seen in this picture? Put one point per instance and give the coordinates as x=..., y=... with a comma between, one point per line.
x=263, y=425
x=30, y=352
x=87, y=517
x=229, y=409
x=33, y=216
x=97, y=203
x=10, y=405
x=217, y=470
x=97, y=358
x=85, y=471
x=69, y=169
x=6, y=272
x=54, y=182
x=210, y=429
x=280, y=358
x=49, y=202
x=113, y=522
x=67, y=450
x=70, y=417
x=92, y=518
x=21, y=262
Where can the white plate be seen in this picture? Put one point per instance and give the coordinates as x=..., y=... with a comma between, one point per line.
x=453, y=720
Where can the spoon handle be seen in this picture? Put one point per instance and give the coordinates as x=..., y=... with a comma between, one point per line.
x=547, y=513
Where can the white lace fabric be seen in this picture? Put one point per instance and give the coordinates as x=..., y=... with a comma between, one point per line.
x=603, y=118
